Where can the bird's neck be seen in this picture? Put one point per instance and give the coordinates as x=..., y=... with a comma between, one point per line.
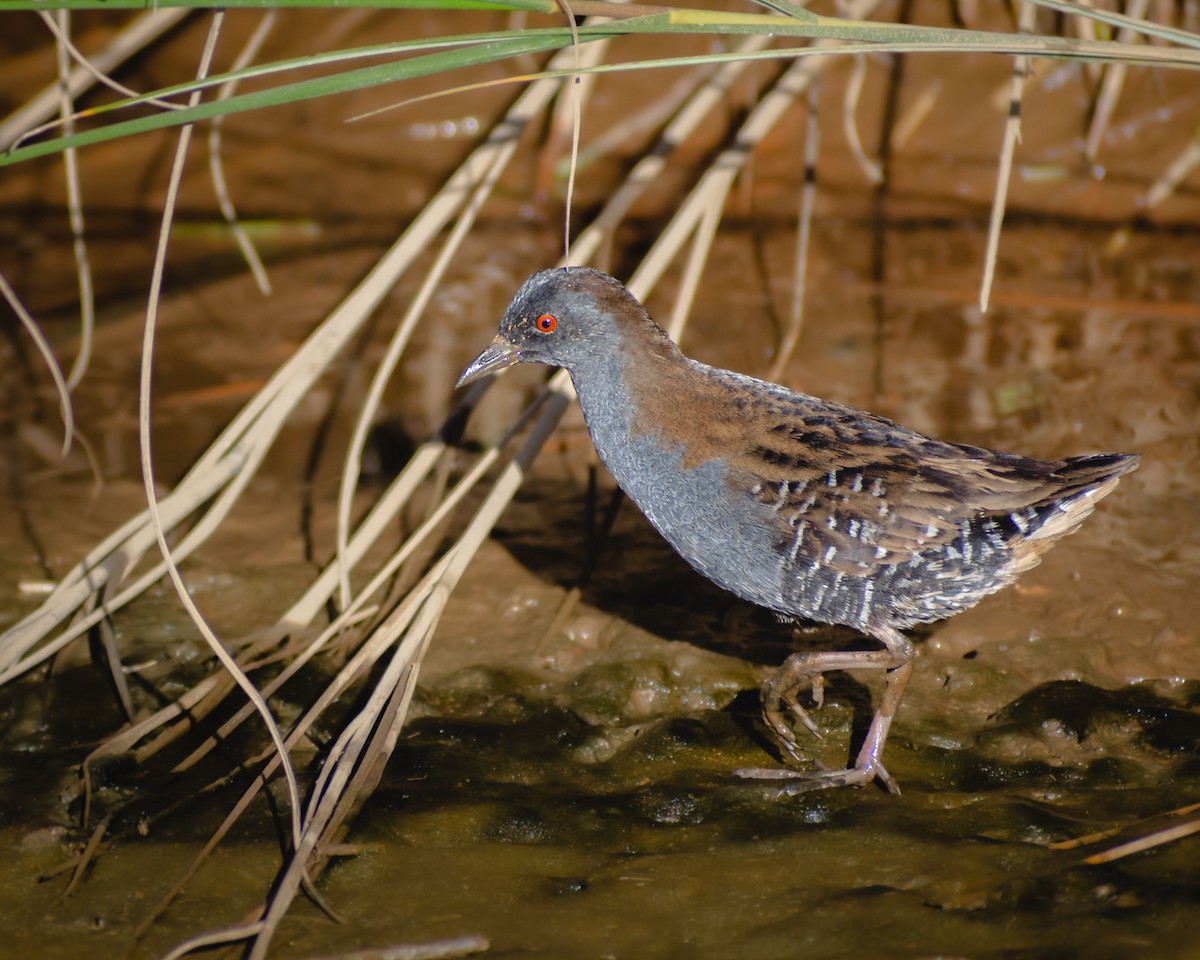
x=620, y=388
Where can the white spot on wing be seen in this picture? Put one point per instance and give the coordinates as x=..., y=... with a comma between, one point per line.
x=867, y=594
x=797, y=539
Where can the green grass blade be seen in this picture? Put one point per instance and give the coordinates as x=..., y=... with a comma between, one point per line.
x=472, y=50
x=290, y=93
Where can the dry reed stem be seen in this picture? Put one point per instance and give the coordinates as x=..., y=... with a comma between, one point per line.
x=356, y=750
x=369, y=652
x=1100, y=835
x=1148, y=842
x=916, y=112
x=1112, y=84
x=1177, y=171
x=86, y=856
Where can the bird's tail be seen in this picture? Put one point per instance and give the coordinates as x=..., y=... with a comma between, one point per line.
x=1074, y=489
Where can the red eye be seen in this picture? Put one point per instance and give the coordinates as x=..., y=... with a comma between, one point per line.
x=546, y=323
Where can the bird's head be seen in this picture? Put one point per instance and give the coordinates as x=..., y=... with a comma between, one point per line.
x=564, y=317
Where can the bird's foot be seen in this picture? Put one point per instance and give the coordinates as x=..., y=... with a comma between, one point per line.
x=805, y=669
x=802, y=781
x=782, y=689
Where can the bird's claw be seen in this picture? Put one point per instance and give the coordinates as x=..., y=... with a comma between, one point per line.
x=818, y=691
x=781, y=689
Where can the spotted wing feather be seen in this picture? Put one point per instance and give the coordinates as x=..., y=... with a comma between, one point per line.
x=856, y=493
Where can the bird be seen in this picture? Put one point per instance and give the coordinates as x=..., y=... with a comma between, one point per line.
x=813, y=510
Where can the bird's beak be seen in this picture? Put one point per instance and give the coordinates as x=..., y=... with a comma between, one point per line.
x=498, y=355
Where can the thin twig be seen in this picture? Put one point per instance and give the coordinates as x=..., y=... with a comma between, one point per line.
x=808, y=203
x=1012, y=134
x=189, y=605
x=854, y=88
x=87, y=305
x=217, y=168
x=43, y=348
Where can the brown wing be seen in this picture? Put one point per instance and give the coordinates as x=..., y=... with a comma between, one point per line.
x=856, y=492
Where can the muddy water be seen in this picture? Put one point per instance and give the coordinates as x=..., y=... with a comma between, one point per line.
x=567, y=792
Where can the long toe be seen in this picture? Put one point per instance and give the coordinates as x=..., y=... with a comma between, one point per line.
x=768, y=773
x=825, y=780
x=802, y=781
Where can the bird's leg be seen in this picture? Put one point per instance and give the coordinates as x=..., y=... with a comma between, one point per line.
x=800, y=669
x=870, y=756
